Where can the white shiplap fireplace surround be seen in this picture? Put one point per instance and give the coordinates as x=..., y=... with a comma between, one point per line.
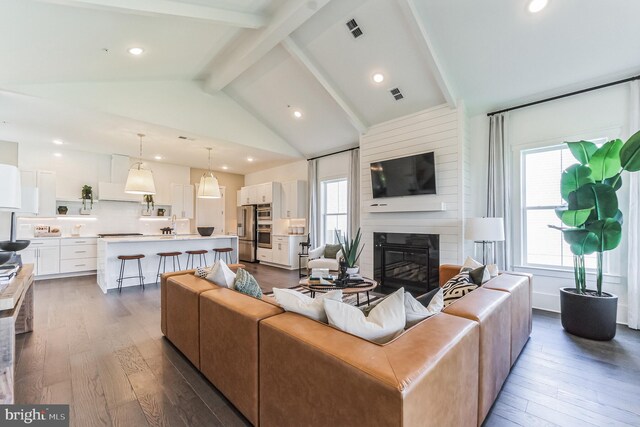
x=442, y=130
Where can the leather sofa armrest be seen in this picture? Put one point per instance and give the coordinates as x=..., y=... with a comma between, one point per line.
x=408, y=381
x=163, y=296
x=447, y=271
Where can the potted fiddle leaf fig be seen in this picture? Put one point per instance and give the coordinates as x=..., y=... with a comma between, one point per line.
x=350, y=252
x=592, y=223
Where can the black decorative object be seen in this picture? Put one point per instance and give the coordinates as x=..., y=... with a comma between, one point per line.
x=205, y=231
x=62, y=210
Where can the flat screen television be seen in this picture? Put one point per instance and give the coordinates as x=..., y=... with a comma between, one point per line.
x=406, y=176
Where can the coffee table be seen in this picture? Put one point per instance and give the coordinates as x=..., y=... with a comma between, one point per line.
x=371, y=285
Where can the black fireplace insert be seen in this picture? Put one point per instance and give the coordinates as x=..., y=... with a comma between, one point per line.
x=408, y=260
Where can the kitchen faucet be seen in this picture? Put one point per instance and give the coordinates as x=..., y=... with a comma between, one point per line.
x=173, y=225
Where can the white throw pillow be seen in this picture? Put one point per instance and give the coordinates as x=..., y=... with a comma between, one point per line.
x=385, y=321
x=493, y=270
x=297, y=302
x=472, y=264
x=222, y=275
x=416, y=312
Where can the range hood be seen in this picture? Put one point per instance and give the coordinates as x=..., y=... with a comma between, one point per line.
x=114, y=190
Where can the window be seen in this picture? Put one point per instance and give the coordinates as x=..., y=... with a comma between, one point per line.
x=334, y=209
x=544, y=246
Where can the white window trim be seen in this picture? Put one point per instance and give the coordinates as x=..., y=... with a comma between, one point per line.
x=519, y=208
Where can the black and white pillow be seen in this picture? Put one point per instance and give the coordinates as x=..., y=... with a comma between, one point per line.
x=202, y=272
x=457, y=287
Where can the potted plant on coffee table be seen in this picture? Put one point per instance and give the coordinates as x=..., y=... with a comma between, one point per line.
x=593, y=224
x=351, y=251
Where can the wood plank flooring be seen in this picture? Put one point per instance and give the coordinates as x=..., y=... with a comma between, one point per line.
x=105, y=355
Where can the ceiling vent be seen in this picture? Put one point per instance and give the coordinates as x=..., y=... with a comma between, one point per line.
x=354, y=28
x=186, y=138
x=397, y=95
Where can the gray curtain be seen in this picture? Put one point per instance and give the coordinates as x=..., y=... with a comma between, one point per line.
x=498, y=194
x=314, y=222
x=354, y=193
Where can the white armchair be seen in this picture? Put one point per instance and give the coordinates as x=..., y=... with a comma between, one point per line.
x=317, y=259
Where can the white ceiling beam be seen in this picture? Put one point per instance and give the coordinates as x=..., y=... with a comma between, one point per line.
x=253, y=46
x=173, y=8
x=416, y=25
x=297, y=53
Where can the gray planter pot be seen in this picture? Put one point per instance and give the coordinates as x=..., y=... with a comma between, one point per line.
x=589, y=316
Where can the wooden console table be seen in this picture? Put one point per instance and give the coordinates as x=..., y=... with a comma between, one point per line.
x=16, y=317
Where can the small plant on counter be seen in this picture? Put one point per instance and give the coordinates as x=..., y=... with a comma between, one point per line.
x=87, y=194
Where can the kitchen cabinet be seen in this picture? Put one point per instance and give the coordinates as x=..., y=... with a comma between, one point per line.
x=265, y=192
x=45, y=182
x=211, y=212
x=264, y=255
x=182, y=201
x=249, y=195
x=44, y=255
x=294, y=200
x=284, y=252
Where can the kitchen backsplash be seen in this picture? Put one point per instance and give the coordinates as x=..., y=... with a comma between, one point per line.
x=106, y=217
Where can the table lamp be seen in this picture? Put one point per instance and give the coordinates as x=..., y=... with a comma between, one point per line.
x=10, y=200
x=485, y=231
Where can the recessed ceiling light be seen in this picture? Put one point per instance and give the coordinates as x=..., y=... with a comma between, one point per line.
x=136, y=51
x=58, y=141
x=249, y=159
x=225, y=167
x=297, y=114
x=378, y=78
x=57, y=154
x=536, y=6
x=158, y=157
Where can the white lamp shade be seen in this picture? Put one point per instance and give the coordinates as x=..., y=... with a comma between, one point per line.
x=140, y=181
x=208, y=188
x=10, y=191
x=484, y=229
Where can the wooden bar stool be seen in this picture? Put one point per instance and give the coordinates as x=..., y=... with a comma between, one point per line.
x=163, y=257
x=191, y=256
x=123, y=259
x=217, y=254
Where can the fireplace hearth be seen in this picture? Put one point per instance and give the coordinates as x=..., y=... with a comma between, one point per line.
x=408, y=260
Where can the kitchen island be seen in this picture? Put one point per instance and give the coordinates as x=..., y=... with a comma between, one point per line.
x=109, y=248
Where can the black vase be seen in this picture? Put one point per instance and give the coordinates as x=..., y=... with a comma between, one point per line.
x=62, y=210
x=589, y=316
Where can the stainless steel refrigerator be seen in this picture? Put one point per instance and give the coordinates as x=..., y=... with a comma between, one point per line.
x=247, y=233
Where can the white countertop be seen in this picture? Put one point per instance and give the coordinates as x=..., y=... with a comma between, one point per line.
x=164, y=238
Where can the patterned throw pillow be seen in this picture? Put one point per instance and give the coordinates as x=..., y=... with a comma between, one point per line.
x=202, y=272
x=457, y=287
x=247, y=284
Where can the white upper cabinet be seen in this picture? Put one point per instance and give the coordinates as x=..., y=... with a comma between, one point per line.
x=45, y=182
x=265, y=193
x=294, y=199
x=182, y=201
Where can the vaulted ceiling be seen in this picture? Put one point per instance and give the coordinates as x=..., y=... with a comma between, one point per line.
x=231, y=73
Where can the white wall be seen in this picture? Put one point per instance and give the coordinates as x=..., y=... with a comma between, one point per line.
x=438, y=129
x=603, y=112
x=288, y=172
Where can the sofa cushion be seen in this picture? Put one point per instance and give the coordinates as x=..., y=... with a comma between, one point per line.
x=247, y=284
x=425, y=299
x=457, y=287
x=297, y=302
x=331, y=251
x=384, y=322
x=202, y=272
x=222, y=275
x=416, y=312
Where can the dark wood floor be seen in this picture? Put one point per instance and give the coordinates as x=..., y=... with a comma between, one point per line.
x=105, y=355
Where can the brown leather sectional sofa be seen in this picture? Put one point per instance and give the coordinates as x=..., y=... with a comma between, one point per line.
x=283, y=369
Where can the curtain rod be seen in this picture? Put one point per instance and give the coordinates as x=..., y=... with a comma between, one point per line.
x=578, y=92
x=333, y=154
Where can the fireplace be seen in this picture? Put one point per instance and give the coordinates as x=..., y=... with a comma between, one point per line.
x=406, y=260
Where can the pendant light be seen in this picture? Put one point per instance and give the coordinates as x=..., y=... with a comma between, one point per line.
x=140, y=181
x=209, y=188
